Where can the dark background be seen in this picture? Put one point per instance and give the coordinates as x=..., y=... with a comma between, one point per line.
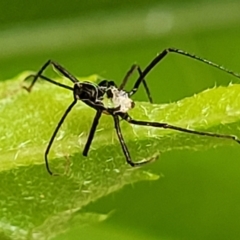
x=199, y=196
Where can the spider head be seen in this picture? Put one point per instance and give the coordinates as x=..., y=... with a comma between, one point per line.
x=85, y=91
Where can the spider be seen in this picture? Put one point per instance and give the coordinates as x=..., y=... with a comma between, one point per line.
x=93, y=94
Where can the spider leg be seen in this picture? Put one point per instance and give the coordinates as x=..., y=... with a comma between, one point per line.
x=127, y=76
x=49, y=80
x=161, y=55
x=92, y=132
x=124, y=146
x=55, y=133
x=61, y=69
x=168, y=126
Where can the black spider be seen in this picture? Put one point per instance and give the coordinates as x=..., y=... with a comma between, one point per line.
x=93, y=95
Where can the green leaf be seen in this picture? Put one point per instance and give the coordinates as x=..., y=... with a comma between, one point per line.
x=35, y=205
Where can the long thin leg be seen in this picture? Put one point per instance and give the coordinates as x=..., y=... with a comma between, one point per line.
x=92, y=132
x=146, y=87
x=160, y=56
x=49, y=80
x=61, y=69
x=124, y=147
x=55, y=133
x=168, y=126
x=127, y=76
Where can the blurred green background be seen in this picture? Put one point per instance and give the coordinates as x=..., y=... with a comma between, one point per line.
x=199, y=196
